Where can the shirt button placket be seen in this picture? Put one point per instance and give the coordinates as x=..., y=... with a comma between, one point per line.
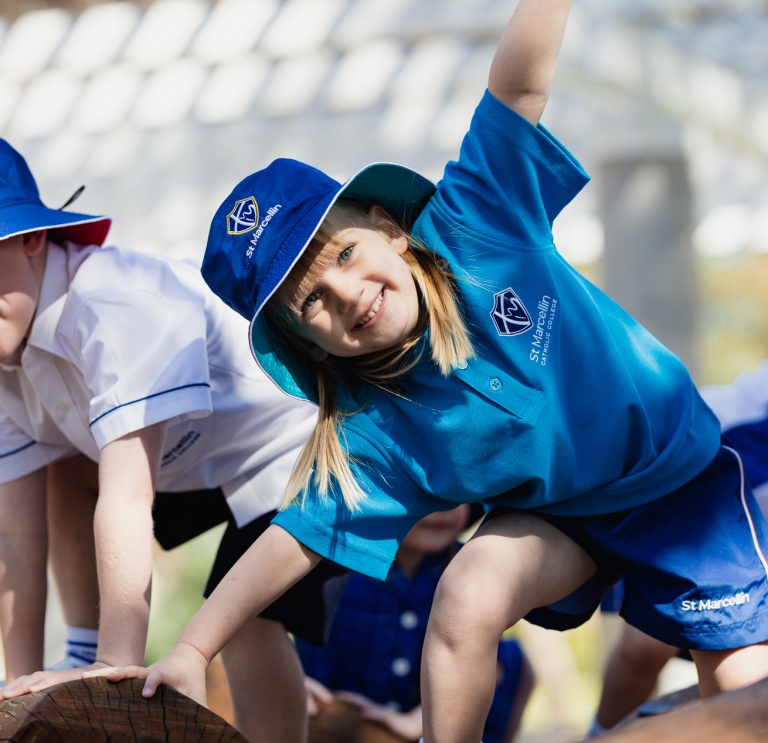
x=401, y=667
x=409, y=619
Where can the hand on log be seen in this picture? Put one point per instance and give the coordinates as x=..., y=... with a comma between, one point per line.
x=346, y=717
x=340, y=722
x=183, y=669
x=43, y=679
x=408, y=725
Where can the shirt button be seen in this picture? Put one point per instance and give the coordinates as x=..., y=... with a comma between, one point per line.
x=462, y=365
x=394, y=705
x=495, y=384
x=409, y=619
x=401, y=666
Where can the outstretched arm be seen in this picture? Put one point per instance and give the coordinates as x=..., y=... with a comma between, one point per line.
x=524, y=64
x=272, y=564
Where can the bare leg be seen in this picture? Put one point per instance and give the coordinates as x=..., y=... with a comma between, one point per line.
x=266, y=683
x=23, y=580
x=512, y=564
x=72, y=495
x=727, y=670
x=631, y=674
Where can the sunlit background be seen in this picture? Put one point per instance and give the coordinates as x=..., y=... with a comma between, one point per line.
x=159, y=108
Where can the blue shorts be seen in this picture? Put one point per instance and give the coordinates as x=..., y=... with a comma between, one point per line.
x=751, y=441
x=693, y=563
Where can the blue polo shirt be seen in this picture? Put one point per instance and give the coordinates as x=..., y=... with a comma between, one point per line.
x=570, y=407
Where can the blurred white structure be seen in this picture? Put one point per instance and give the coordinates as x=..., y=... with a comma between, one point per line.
x=160, y=109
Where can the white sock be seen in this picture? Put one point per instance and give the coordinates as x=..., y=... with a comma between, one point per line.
x=81, y=645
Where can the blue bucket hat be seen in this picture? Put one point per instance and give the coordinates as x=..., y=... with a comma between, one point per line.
x=266, y=223
x=21, y=209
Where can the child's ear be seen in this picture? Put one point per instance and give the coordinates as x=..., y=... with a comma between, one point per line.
x=383, y=222
x=34, y=242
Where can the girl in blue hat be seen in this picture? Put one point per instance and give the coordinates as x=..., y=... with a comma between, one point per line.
x=456, y=357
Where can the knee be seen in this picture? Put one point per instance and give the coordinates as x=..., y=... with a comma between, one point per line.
x=469, y=604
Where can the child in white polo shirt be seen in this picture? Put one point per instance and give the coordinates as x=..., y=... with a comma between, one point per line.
x=130, y=360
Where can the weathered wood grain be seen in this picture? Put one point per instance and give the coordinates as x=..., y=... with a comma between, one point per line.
x=96, y=710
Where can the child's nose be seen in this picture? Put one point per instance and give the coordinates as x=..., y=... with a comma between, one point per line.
x=347, y=294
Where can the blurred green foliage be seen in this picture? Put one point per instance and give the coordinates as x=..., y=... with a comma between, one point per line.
x=733, y=317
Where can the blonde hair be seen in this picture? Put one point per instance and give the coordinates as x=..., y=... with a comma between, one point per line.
x=324, y=457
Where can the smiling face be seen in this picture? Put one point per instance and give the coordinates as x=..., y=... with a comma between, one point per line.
x=358, y=295
x=21, y=267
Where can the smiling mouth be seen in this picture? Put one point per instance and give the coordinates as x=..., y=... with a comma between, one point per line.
x=372, y=312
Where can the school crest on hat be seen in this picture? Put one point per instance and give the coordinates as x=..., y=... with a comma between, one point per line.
x=509, y=314
x=243, y=217
x=271, y=217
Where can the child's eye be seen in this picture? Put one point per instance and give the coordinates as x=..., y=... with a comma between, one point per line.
x=310, y=300
x=345, y=254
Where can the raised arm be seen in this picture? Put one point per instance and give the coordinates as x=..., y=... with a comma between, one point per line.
x=524, y=64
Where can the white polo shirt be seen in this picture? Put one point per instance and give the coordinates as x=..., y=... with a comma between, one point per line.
x=123, y=340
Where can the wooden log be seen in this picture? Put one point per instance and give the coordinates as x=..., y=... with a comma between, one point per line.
x=96, y=710
x=339, y=722
x=662, y=704
x=734, y=717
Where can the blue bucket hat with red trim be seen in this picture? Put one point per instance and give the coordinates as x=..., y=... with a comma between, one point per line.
x=266, y=223
x=21, y=209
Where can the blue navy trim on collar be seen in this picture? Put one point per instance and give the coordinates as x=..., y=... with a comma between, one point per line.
x=148, y=397
x=16, y=451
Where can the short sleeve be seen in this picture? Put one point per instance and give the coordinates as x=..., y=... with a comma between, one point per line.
x=143, y=357
x=364, y=540
x=511, y=179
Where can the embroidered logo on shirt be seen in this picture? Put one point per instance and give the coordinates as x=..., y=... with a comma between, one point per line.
x=509, y=314
x=243, y=217
x=180, y=448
